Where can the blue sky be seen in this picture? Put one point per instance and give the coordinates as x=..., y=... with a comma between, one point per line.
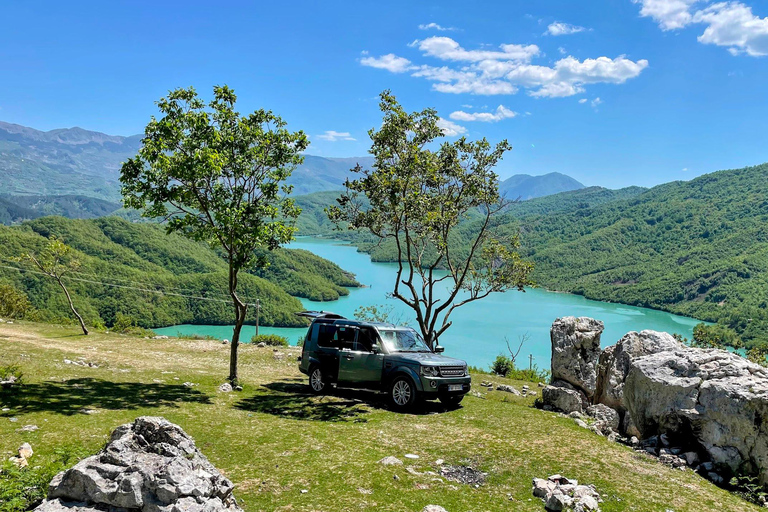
x=611, y=92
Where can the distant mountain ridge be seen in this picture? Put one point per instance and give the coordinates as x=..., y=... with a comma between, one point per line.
x=75, y=161
x=525, y=186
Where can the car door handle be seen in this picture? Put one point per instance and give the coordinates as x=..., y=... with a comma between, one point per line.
x=349, y=358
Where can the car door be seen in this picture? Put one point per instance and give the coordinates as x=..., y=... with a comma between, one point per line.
x=359, y=366
x=328, y=350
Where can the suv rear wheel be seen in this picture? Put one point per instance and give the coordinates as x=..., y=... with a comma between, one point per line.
x=402, y=393
x=317, y=381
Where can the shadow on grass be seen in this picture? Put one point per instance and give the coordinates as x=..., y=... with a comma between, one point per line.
x=75, y=396
x=292, y=399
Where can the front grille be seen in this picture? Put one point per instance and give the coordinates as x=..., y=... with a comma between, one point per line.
x=451, y=371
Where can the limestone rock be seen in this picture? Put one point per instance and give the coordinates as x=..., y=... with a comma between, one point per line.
x=575, y=352
x=563, y=397
x=391, y=461
x=433, y=508
x=508, y=389
x=605, y=417
x=614, y=363
x=717, y=399
x=150, y=465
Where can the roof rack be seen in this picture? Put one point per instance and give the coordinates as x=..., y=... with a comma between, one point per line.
x=319, y=314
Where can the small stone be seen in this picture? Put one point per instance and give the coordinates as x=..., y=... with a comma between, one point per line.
x=29, y=428
x=14, y=419
x=691, y=458
x=439, y=462
x=19, y=461
x=6, y=409
x=395, y=477
x=542, y=488
x=391, y=461
x=581, y=423
x=507, y=389
x=588, y=503
x=304, y=491
x=261, y=345
x=189, y=384
x=25, y=451
x=433, y=508
x=411, y=456
x=557, y=502
x=634, y=441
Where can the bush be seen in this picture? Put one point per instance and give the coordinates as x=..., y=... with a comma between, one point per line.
x=124, y=324
x=24, y=488
x=271, y=340
x=13, y=302
x=504, y=366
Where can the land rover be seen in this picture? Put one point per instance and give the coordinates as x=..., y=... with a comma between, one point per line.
x=380, y=357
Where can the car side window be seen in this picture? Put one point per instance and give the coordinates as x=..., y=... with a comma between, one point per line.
x=345, y=337
x=365, y=339
x=326, y=336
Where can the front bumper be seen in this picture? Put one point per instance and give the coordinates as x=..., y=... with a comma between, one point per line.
x=438, y=386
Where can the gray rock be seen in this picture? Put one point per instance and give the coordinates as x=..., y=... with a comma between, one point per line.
x=580, y=423
x=575, y=352
x=562, y=398
x=542, y=488
x=614, y=363
x=150, y=465
x=557, y=502
x=433, y=508
x=507, y=389
x=605, y=416
x=586, y=503
x=391, y=461
x=691, y=458
x=718, y=398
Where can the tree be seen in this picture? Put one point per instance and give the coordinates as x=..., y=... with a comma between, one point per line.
x=56, y=261
x=13, y=302
x=415, y=197
x=218, y=177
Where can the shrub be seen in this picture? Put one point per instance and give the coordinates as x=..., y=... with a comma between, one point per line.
x=125, y=324
x=505, y=367
x=271, y=340
x=11, y=370
x=24, y=488
x=13, y=302
x=502, y=365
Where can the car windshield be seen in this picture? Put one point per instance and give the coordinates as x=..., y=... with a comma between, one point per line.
x=403, y=340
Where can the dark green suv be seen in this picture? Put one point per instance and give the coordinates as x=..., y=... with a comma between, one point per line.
x=380, y=357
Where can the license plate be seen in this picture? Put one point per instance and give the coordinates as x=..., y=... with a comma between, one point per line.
x=455, y=387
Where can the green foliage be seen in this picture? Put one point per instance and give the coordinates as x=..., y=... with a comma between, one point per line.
x=384, y=313
x=133, y=258
x=271, y=340
x=12, y=370
x=504, y=366
x=14, y=303
x=125, y=324
x=415, y=197
x=714, y=336
x=22, y=489
x=749, y=488
x=15, y=209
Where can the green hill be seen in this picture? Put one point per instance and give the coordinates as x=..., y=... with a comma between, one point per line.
x=14, y=209
x=121, y=261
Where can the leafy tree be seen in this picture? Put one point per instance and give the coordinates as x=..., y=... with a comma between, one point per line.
x=219, y=177
x=56, y=261
x=379, y=313
x=714, y=336
x=417, y=196
x=13, y=302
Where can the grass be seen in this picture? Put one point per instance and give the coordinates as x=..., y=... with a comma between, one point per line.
x=274, y=440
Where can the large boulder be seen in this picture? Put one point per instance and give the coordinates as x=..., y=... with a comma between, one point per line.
x=150, y=465
x=575, y=352
x=563, y=397
x=712, y=398
x=613, y=364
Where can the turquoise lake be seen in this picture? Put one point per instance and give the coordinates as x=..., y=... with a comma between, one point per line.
x=479, y=328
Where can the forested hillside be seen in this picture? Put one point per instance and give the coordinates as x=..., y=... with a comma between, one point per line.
x=697, y=248
x=14, y=209
x=122, y=260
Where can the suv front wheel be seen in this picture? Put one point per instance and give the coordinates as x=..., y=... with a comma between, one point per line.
x=317, y=381
x=402, y=394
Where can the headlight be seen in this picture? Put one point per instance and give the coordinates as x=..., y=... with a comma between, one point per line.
x=430, y=371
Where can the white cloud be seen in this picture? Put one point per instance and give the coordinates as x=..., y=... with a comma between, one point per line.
x=435, y=26
x=583, y=100
x=596, y=101
x=562, y=51
x=669, y=14
x=731, y=24
x=685, y=169
x=559, y=28
x=450, y=129
x=501, y=112
x=390, y=62
x=493, y=72
x=333, y=136
x=445, y=48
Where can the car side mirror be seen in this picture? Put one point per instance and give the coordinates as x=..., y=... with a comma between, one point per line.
x=375, y=348
x=439, y=349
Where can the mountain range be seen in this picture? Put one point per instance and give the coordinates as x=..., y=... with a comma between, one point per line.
x=77, y=162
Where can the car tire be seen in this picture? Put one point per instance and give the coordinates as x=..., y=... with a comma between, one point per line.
x=318, y=383
x=451, y=401
x=403, y=395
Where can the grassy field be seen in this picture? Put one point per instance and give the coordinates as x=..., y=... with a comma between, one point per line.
x=274, y=441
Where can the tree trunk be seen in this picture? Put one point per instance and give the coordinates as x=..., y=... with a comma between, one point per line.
x=240, y=311
x=72, y=307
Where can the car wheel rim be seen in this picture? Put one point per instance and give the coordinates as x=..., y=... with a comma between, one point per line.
x=317, y=380
x=401, y=392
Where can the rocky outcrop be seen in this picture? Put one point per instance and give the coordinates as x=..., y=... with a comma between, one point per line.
x=614, y=362
x=562, y=396
x=150, y=465
x=712, y=397
x=575, y=352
